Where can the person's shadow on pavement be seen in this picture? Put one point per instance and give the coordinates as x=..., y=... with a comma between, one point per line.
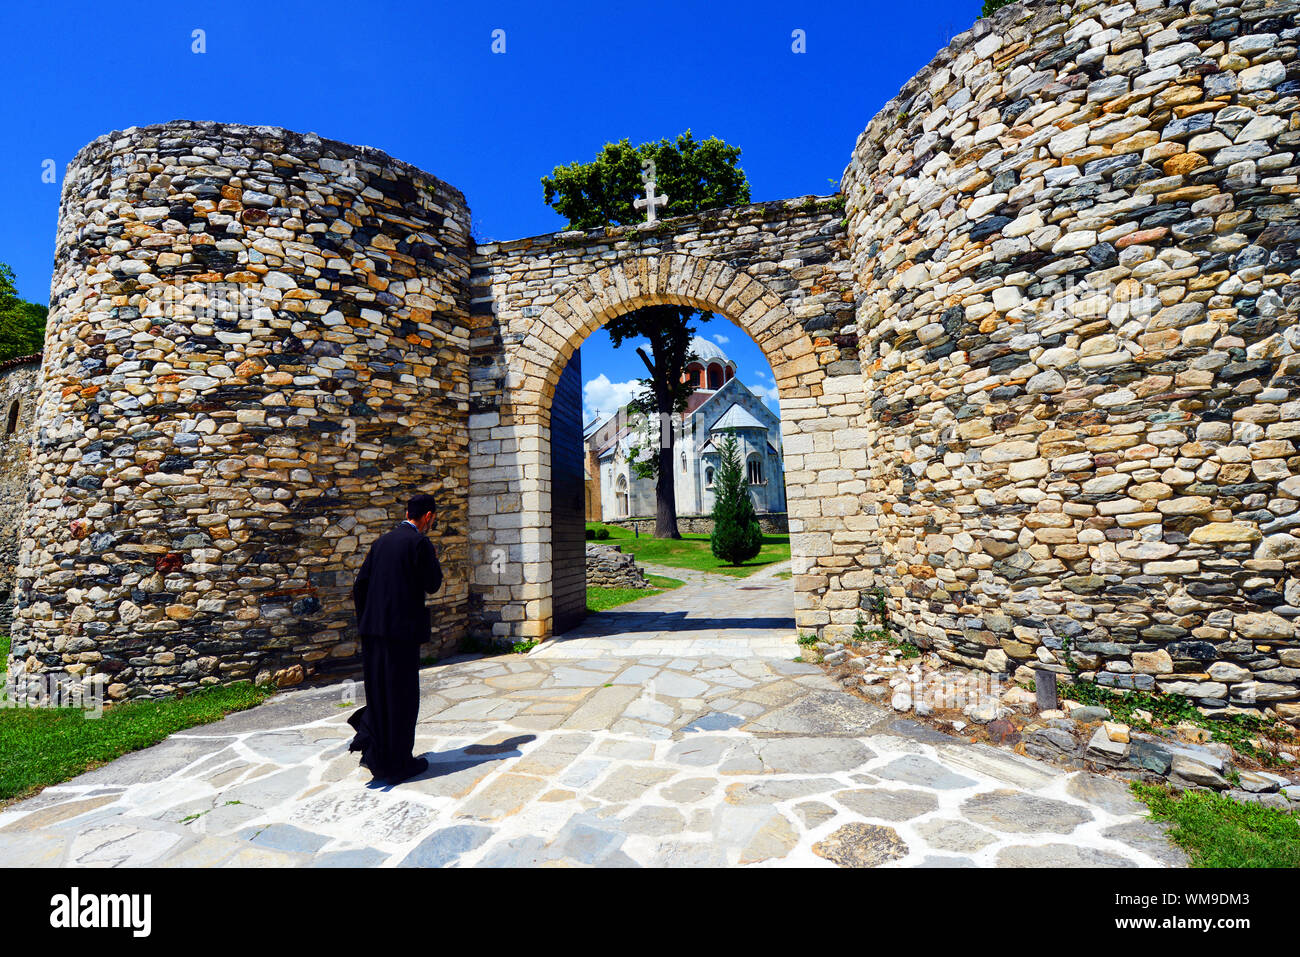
x=461, y=759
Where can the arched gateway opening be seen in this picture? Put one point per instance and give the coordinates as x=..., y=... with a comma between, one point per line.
x=610, y=454
x=513, y=546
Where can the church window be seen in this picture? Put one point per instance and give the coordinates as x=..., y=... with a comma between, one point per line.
x=708, y=477
x=755, y=471
x=12, y=425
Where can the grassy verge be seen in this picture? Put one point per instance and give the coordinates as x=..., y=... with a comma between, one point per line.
x=44, y=746
x=600, y=599
x=692, y=551
x=1217, y=831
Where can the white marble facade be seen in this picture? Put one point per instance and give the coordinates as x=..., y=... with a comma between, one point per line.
x=720, y=403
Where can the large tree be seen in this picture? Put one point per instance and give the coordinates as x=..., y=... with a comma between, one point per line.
x=22, y=324
x=695, y=176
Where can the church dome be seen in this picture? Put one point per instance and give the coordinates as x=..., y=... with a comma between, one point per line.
x=706, y=350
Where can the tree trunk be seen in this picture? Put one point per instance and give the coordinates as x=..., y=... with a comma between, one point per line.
x=665, y=499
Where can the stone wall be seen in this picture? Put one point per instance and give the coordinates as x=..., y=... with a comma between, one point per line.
x=1074, y=236
x=777, y=270
x=609, y=567
x=257, y=351
x=772, y=523
x=17, y=404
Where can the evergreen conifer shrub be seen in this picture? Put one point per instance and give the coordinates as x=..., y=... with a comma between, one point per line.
x=737, y=536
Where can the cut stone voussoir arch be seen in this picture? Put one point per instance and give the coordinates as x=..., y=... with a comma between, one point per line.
x=636, y=284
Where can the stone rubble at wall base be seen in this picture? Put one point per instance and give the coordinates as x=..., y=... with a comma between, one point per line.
x=1076, y=736
x=609, y=567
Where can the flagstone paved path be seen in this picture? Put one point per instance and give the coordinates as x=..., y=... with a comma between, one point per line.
x=711, y=615
x=675, y=731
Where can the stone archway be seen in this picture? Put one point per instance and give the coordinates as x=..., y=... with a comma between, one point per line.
x=510, y=534
x=673, y=280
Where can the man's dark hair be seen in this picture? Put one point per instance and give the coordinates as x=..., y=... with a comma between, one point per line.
x=421, y=506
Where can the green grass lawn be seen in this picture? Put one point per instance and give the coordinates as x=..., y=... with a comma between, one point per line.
x=44, y=746
x=692, y=551
x=1217, y=831
x=599, y=599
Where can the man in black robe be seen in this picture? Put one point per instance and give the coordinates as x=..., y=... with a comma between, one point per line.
x=393, y=620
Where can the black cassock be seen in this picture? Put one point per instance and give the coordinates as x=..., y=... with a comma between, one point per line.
x=393, y=620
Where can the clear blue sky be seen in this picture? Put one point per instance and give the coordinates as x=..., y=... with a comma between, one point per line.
x=419, y=81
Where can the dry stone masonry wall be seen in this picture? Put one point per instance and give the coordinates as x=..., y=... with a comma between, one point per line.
x=17, y=405
x=1075, y=238
x=257, y=350
x=772, y=523
x=609, y=567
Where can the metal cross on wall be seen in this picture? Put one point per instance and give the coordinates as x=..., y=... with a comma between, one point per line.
x=651, y=200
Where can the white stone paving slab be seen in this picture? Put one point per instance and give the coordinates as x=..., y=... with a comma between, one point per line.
x=604, y=750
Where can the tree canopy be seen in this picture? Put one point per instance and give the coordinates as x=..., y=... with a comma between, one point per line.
x=696, y=176
x=22, y=324
x=669, y=330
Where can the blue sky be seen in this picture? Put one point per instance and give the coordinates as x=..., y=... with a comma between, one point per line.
x=419, y=81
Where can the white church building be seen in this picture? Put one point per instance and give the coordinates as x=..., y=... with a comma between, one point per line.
x=720, y=403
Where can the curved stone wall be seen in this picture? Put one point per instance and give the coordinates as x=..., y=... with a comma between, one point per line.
x=17, y=403
x=257, y=350
x=1074, y=236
